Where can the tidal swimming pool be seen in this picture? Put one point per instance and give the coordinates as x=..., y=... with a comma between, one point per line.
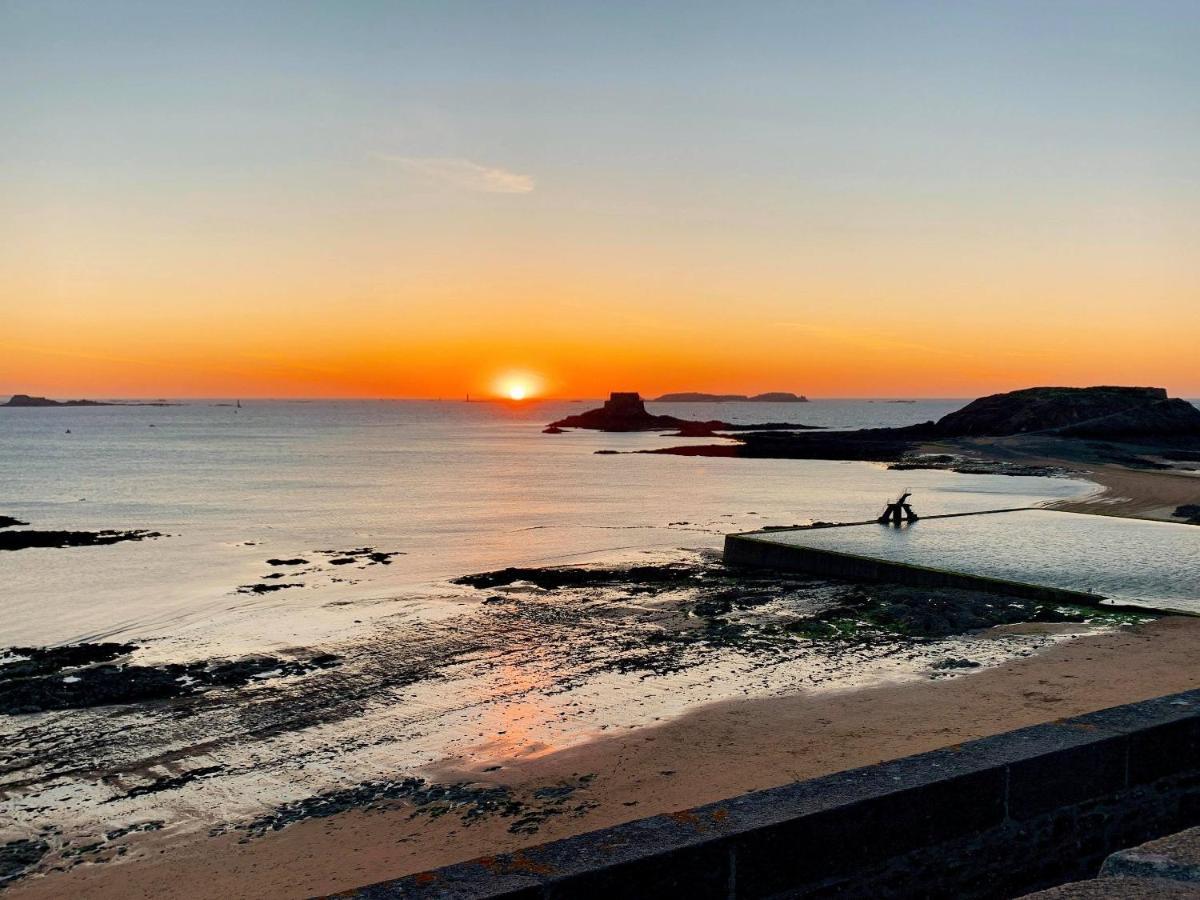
x=1127, y=560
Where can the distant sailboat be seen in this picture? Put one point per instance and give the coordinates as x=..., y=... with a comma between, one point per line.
x=237, y=405
x=468, y=398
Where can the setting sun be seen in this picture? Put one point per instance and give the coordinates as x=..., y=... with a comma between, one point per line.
x=518, y=384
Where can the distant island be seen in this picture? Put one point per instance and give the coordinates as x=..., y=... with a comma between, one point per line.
x=626, y=411
x=25, y=400
x=695, y=397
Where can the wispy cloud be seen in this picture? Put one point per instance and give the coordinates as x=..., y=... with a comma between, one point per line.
x=465, y=174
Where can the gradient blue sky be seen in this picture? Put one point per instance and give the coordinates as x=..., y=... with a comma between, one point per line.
x=408, y=199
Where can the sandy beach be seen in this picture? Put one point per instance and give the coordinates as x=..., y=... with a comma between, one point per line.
x=1136, y=493
x=708, y=754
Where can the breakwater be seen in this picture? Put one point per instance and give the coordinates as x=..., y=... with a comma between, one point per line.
x=991, y=818
x=759, y=551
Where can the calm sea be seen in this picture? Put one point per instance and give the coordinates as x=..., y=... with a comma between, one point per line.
x=428, y=671
x=456, y=487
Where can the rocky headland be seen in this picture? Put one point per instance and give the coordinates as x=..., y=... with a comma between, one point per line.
x=1134, y=427
x=626, y=411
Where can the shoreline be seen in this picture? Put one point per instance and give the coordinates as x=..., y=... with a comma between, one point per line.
x=680, y=763
x=704, y=754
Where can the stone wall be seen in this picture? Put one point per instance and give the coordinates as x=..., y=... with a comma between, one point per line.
x=750, y=550
x=991, y=818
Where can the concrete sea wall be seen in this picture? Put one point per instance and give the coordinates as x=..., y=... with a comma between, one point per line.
x=761, y=552
x=991, y=818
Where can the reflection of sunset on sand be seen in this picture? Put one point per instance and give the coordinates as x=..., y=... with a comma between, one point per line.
x=517, y=728
x=394, y=384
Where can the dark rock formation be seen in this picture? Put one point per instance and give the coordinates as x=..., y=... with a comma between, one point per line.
x=1104, y=412
x=621, y=412
x=627, y=412
x=267, y=588
x=26, y=400
x=696, y=397
x=82, y=676
x=868, y=444
x=9, y=522
x=19, y=856
x=19, y=400
x=23, y=540
x=1133, y=415
x=368, y=556
x=1190, y=512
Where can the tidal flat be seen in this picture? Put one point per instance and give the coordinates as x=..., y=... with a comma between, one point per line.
x=104, y=752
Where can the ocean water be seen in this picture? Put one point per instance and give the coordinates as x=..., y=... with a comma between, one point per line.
x=1128, y=561
x=428, y=671
x=455, y=487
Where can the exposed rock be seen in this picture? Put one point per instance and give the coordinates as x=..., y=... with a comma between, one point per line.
x=33, y=661
x=17, y=857
x=297, y=561
x=266, y=588
x=869, y=444
x=696, y=397
x=81, y=676
x=23, y=540
x=929, y=613
x=954, y=662
x=368, y=556
x=627, y=412
x=552, y=578
x=1134, y=415
x=9, y=522
x=1190, y=512
x=1107, y=412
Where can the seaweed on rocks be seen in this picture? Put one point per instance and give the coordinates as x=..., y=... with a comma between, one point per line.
x=561, y=577
x=83, y=676
x=33, y=661
x=926, y=614
x=470, y=802
x=170, y=782
x=18, y=857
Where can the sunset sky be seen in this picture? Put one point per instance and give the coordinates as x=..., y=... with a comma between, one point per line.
x=425, y=199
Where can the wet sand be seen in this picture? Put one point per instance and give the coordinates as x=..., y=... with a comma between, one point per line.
x=1136, y=493
x=708, y=754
